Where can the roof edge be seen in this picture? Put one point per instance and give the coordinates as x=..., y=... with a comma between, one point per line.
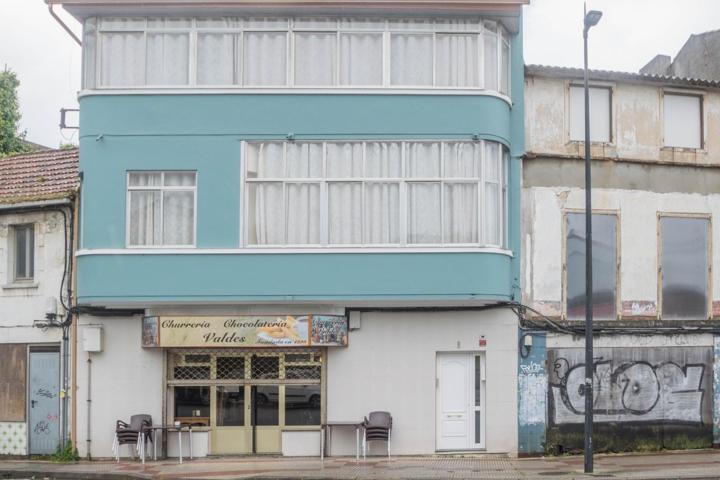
x=611, y=75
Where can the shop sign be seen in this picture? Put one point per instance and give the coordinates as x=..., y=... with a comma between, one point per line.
x=245, y=331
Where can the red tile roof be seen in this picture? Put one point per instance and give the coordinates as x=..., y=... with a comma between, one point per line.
x=45, y=175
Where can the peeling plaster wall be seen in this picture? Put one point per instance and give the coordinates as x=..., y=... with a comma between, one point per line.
x=637, y=123
x=20, y=306
x=638, y=225
x=637, y=178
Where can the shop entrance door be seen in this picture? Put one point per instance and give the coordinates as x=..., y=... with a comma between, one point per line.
x=460, y=400
x=246, y=397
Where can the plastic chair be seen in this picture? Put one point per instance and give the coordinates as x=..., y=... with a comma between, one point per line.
x=132, y=433
x=377, y=427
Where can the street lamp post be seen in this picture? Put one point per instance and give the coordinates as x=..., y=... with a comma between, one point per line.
x=591, y=19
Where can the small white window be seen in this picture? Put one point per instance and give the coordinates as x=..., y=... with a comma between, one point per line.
x=23, y=253
x=683, y=120
x=600, y=108
x=161, y=209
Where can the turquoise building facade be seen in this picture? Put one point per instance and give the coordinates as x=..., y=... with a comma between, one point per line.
x=380, y=288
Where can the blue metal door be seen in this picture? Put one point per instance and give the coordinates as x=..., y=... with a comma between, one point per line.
x=44, y=405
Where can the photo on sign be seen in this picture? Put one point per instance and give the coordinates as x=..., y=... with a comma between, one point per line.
x=329, y=331
x=289, y=330
x=150, y=337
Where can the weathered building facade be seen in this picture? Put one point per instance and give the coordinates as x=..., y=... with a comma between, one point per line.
x=656, y=230
x=296, y=213
x=37, y=192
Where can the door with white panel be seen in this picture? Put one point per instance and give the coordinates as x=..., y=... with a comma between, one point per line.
x=460, y=400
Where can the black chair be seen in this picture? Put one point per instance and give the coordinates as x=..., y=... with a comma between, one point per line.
x=132, y=433
x=377, y=427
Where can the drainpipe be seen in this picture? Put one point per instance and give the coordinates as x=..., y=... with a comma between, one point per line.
x=89, y=403
x=63, y=25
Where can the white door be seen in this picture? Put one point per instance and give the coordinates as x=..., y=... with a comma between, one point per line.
x=460, y=401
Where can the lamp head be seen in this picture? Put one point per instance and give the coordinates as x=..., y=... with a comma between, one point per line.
x=592, y=18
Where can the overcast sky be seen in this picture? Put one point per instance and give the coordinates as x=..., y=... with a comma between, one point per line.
x=630, y=33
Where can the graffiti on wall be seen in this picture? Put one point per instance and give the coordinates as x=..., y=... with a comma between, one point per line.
x=659, y=385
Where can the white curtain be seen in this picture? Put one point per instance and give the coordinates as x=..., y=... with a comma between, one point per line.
x=304, y=160
x=265, y=58
x=457, y=62
x=491, y=60
x=424, y=160
x=382, y=213
x=215, y=59
x=361, y=59
x=345, y=213
x=411, y=59
x=462, y=160
x=315, y=58
x=270, y=161
x=267, y=221
x=505, y=69
x=492, y=193
x=344, y=160
x=145, y=217
x=383, y=160
x=122, y=59
x=424, y=219
x=460, y=205
x=178, y=217
x=303, y=213
x=89, y=53
x=167, y=58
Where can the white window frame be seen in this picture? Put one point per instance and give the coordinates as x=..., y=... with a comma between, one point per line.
x=29, y=253
x=708, y=258
x=610, y=106
x=159, y=188
x=403, y=181
x=684, y=93
x=390, y=27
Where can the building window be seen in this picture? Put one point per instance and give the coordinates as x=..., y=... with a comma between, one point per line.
x=23, y=256
x=245, y=387
x=192, y=405
x=684, y=267
x=300, y=52
x=683, y=120
x=604, y=263
x=600, y=114
x=375, y=193
x=161, y=208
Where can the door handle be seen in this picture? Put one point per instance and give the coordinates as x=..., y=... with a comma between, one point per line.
x=32, y=403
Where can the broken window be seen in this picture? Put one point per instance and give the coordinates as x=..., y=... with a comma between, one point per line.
x=604, y=253
x=684, y=267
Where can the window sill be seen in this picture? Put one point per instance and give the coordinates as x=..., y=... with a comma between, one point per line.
x=592, y=143
x=20, y=285
x=288, y=250
x=701, y=151
x=194, y=90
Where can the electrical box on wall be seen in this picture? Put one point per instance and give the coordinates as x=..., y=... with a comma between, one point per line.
x=92, y=338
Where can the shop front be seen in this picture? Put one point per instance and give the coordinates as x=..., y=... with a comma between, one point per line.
x=245, y=383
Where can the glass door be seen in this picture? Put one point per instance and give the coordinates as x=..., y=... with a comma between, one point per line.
x=478, y=403
x=246, y=397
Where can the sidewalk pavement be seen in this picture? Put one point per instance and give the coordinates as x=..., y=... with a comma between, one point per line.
x=694, y=464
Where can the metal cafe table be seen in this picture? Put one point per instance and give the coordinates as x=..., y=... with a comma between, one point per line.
x=328, y=426
x=167, y=428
